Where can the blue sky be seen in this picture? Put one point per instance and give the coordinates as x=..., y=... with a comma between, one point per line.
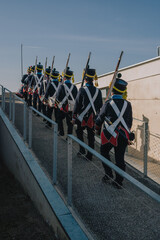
x=56, y=27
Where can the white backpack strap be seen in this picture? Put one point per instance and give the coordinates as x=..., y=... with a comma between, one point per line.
x=66, y=97
x=44, y=85
x=26, y=79
x=69, y=91
x=121, y=119
x=81, y=116
x=91, y=99
x=111, y=128
x=55, y=87
x=38, y=80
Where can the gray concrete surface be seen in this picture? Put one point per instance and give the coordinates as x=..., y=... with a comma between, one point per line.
x=107, y=213
x=23, y=165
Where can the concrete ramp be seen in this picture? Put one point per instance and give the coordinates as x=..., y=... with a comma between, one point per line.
x=21, y=162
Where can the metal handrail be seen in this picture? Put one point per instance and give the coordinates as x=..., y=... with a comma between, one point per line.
x=125, y=175
x=12, y=98
x=55, y=135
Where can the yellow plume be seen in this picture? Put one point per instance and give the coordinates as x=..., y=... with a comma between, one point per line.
x=83, y=74
x=124, y=96
x=73, y=79
x=96, y=80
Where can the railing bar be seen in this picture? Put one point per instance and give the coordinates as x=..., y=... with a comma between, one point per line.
x=55, y=154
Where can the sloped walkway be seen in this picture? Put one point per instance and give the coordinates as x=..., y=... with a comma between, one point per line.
x=106, y=213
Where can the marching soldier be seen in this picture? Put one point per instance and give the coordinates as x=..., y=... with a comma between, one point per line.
x=65, y=100
x=25, y=80
x=116, y=114
x=23, y=92
x=87, y=106
x=30, y=87
x=36, y=81
x=50, y=96
x=43, y=85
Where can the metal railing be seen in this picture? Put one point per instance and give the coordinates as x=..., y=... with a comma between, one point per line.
x=138, y=152
x=108, y=163
x=72, y=164
x=10, y=98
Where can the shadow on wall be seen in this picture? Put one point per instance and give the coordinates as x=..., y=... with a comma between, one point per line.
x=141, y=145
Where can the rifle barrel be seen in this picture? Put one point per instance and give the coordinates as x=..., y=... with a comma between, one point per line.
x=114, y=77
x=86, y=68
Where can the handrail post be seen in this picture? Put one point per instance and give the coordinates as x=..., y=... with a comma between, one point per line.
x=13, y=109
x=10, y=106
x=4, y=104
x=145, y=155
x=30, y=128
x=24, y=122
x=55, y=133
x=69, y=201
x=2, y=97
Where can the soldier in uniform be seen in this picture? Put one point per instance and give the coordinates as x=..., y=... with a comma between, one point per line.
x=36, y=81
x=116, y=114
x=43, y=85
x=23, y=92
x=87, y=106
x=30, y=86
x=50, y=96
x=65, y=100
x=25, y=80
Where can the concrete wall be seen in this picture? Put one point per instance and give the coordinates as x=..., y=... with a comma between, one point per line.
x=25, y=168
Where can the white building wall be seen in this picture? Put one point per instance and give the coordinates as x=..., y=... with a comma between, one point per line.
x=143, y=90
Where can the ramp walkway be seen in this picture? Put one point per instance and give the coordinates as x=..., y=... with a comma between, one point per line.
x=102, y=211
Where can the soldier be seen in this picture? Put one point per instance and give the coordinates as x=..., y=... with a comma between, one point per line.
x=23, y=92
x=30, y=86
x=65, y=100
x=50, y=96
x=87, y=106
x=43, y=85
x=36, y=81
x=116, y=114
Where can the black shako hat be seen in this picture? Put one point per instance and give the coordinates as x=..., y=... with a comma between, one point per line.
x=54, y=73
x=90, y=74
x=48, y=70
x=39, y=67
x=68, y=74
x=120, y=86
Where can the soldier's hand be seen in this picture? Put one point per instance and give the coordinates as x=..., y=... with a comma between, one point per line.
x=73, y=121
x=97, y=130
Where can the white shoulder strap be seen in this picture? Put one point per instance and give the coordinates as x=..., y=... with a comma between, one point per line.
x=81, y=116
x=90, y=98
x=69, y=91
x=66, y=96
x=55, y=87
x=111, y=128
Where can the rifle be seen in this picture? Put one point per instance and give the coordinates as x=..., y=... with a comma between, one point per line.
x=66, y=65
x=45, y=66
x=35, y=65
x=87, y=65
x=52, y=63
x=114, y=77
x=52, y=67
